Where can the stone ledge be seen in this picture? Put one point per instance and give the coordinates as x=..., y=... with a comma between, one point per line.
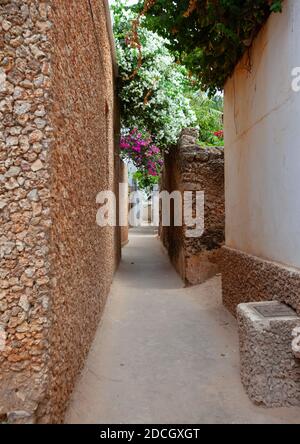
x=247, y=278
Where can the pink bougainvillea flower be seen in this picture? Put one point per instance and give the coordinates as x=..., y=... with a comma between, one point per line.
x=139, y=148
x=124, y=145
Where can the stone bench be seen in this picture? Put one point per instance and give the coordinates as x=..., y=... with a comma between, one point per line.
x=270, y=371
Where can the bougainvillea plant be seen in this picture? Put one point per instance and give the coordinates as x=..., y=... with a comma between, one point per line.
x=137, y=146
x=152, y=86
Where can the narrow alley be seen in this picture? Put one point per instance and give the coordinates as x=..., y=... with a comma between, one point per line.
x=164, y=353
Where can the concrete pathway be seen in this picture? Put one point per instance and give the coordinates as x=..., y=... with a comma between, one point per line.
x=164, y=353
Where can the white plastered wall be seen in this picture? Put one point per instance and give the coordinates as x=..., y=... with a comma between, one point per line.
x=262, y=144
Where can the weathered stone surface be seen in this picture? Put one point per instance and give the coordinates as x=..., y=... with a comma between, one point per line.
x=13, y=171
x=37, y=165
x=22, y=107
x=33, y=195
x=269, y=371
x=23, y=303
x=189, y=167
x=57, y=152
x=247, y=278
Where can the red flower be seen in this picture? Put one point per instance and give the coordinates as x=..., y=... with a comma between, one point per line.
x=219, y=134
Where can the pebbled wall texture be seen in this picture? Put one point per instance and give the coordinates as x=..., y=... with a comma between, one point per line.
x=189, y=167
x=59, y=126
x=269, y=371
x=246, y=278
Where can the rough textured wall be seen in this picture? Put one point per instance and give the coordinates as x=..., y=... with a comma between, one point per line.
x=189, y=167
x=58, y=122
x=25, y=206
x=82, y=163
x=247, y=278
x=269, y=372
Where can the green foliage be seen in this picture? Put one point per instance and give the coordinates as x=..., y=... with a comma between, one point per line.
x=210, y=36
x=145, y=182
x=276, y=6
x=153, y=96
x=209, y=114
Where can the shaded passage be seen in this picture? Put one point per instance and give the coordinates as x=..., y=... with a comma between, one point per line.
x=164, y=353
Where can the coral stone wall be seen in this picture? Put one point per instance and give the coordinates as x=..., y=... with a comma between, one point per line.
x=247, y=278
x=58, y=119
x=82, y=163
x=25, y=218
x=189, y=167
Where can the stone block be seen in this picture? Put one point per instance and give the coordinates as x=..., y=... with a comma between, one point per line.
x=270, y=372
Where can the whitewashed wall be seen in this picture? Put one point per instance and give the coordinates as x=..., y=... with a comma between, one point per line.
x=262, y=145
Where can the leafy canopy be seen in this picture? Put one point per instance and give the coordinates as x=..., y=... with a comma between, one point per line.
x=210, y=36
